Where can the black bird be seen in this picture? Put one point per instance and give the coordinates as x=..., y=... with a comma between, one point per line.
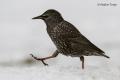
x=68, y=40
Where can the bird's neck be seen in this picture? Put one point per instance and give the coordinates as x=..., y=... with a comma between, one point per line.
x=52, y=22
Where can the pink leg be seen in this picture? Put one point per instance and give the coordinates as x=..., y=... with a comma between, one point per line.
x=42, y=59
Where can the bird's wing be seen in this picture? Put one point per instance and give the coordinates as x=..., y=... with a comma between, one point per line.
x=71, y=35
x=81, y=40
x=66, y=30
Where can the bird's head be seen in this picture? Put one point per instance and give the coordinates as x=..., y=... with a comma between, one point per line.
x=50, y=15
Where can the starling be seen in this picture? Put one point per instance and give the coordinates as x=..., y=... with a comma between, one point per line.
x=67, y=39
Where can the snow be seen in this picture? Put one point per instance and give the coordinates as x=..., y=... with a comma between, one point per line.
x=21, y=36
x=62, y=68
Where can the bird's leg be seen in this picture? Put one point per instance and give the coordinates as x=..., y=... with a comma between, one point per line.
x=82, y=59
x=42, y=59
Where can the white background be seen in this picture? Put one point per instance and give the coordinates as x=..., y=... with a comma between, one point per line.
x=21, y=36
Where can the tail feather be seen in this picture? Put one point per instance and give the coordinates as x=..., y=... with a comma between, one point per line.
x=105, y=56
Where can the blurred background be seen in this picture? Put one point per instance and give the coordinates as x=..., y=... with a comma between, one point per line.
x=21, y=36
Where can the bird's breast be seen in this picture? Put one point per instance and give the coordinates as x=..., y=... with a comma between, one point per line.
x=59, y=43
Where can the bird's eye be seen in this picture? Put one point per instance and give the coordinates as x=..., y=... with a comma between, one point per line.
x=45, y=15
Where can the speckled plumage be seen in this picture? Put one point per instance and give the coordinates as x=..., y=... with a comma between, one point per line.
x=68, y=40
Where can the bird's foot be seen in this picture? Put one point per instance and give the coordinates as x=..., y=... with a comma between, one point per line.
x=40, y=59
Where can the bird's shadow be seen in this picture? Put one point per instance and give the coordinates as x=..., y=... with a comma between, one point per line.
x=24, y=62
x=29, y=61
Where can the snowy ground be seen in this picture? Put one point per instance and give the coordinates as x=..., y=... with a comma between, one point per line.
x=21, y=36
x=65, y=68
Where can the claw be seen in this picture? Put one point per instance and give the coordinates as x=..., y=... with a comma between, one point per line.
x=41, y=59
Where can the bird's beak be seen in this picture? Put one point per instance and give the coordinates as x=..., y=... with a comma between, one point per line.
x=38, y=17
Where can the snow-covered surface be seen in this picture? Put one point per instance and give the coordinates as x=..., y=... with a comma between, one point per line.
x=64, y=68
x=21, y=36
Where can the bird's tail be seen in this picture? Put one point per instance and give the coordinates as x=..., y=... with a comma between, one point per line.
x=105, y=55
